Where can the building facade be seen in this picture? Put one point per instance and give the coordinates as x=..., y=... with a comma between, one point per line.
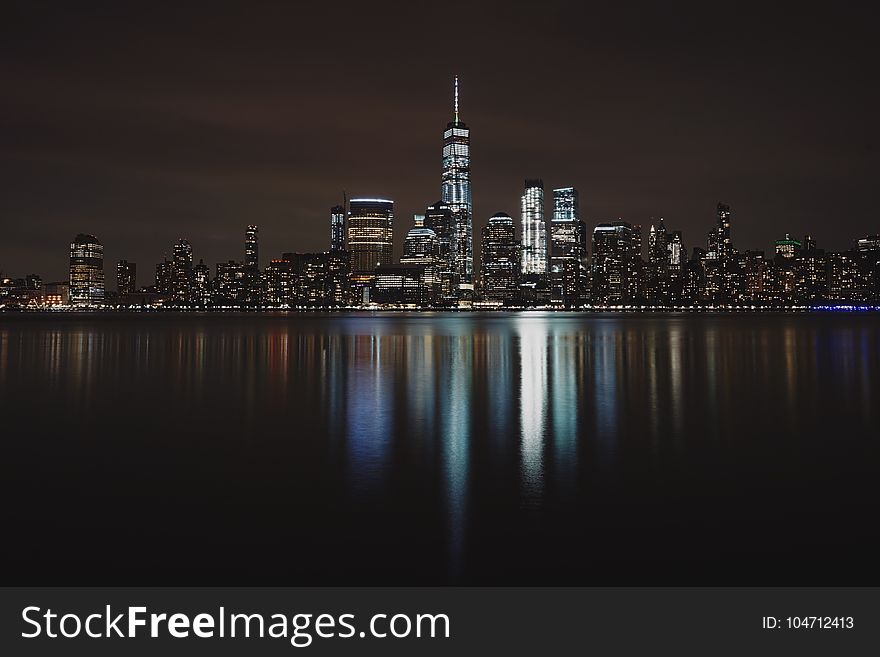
x=455, y=192
x=86, y=271
x=500, y=259
x=534, y=230
x=370, y=237
x=568, y=249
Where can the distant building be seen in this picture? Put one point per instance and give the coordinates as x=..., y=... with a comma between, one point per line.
x=370, y=238
x=534, y=230
x=422, y=248
x=500, y=260
x=280, y=282
x=126, y=277
x=252, y=248
x=164, y=278
x=229, y=283
x=319, y=279
x=182, y=272
x=719, y=241
x=86, y=271
x=56, y=294
x=252, y=287
x=787, y=247
x=455, y=192
x=399, y=285
x=440, y=219
x=201, y=284
x=616, y=260
x=337, y=228
x=568, y=248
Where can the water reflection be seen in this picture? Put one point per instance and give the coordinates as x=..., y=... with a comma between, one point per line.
x=442, y=426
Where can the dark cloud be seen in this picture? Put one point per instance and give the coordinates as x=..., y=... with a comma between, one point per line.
x=144, y=122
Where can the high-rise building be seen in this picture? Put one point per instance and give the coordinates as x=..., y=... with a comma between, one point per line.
x=439, y=218
x=126, y=277
x=500, y=259
x=719, y=242
x=846, y=282
x=251, y=248
x=787, y=247
x=252, y=282
x=370, y=237
x=201, y=284
x=337, y=228
x=229, y=283
x=86, y=271
x=455, y=192
x=182, y=272
x=164, y=276
x=616, y=263
x=422, y=248
x=534, y=230
x=568, y=248
x=280, y=282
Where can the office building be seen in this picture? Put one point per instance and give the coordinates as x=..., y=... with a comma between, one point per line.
x=126, y=277
x=455, y=193
x=568, y=248
x=500, y=260
x=534, y=230
x=86, y=271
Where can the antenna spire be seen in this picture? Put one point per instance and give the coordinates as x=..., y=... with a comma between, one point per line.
x=456, y=99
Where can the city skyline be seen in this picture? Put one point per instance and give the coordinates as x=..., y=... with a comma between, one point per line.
x=437, y=265
x=142, y=148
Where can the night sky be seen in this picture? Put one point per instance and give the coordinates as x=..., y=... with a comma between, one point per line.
x=144, y=122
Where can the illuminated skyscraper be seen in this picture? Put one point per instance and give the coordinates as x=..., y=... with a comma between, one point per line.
x=86, y=271
x=337, y=228
x=719, y=242
x=534, y=230
x=182, y=272
x=787, y=247
x=568, y=248
x=455, y=192
x=370, y=237
x=422, y=248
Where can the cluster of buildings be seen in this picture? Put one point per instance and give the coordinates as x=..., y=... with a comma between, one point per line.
x=545, y=259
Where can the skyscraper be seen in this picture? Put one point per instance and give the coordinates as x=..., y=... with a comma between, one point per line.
x=251, y=248
x=534, y=230
x=422, y=248
x=568, y=248
x=500, y=259
x=455, y=192
x=182, y=272
x=370, y=236
x=719, y=242
x=616, y=260
x=126, y=275
x=86, y=271
x=337, y=228
x=787, y=247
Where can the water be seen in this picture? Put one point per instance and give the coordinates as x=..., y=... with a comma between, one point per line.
x=440, y=448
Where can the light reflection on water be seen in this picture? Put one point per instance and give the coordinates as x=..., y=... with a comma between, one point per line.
x=459, y=429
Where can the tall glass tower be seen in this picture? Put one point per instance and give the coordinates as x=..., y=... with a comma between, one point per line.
x=455, y=191
x=534, y=230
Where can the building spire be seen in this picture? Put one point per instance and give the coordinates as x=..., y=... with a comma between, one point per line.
x=456, y=99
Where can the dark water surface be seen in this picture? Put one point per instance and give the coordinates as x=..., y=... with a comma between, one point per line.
x=441, y=448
